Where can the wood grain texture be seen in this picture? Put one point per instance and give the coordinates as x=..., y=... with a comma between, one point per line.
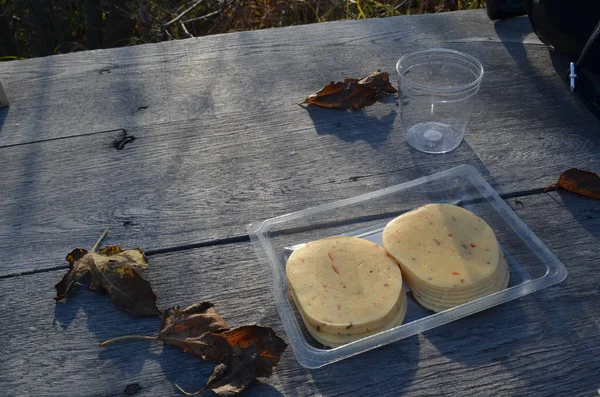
x=163, y=191
x=544, y=344
x=222, y=76
x=200, y=169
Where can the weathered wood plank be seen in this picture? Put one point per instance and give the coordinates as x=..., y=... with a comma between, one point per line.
x=218, y=77
x=223, y=141
x=53, y=349
x=200, y=169
x=168, y=189
x=545, y=344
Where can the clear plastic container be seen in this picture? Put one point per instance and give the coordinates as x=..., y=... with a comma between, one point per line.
x=437, y=93
x=532, y=265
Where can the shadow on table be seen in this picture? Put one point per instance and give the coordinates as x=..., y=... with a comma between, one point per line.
x=191, y=373
x=105, y=322
x=368, y=124
x=464, y=154
x=381, y=128
x=131, y=357
x=521, y=339
x=536, y=337
x=388, y=369
x=551, y=90
x=481, y=338
x=585, y=210
x=3, y=117
x=563, y=319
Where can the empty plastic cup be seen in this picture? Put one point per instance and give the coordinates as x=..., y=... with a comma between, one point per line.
x=437, y=93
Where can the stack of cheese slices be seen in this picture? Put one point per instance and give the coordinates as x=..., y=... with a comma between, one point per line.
x=346, y=288
x=448, y=255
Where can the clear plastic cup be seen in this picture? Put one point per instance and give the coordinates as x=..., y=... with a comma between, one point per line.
x=437, y=93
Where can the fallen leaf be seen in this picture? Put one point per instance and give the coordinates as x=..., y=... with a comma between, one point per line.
x=249, y=339
x=379, y=81
x=343, y=96
x=244, y=353
x=353, y=93
x=179, y=325
x=229, y=378
x=252, y=352
x=112, y=272
x=582, y=182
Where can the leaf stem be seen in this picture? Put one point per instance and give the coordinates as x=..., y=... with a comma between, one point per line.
x=187, y=393
x=100, y=239
x=127, y=337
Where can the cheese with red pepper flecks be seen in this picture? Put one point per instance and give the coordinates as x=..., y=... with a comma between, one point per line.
x=448, y=255
x=345, y=288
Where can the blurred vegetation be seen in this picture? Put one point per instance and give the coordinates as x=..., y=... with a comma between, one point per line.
x=30, y=28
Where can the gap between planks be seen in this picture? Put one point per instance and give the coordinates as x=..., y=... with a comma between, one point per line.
x=63, y=137
x=237, y=239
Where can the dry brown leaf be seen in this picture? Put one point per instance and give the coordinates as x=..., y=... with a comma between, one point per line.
x=353, y=93
x=181, y=328
x=343, y=96
x=229, y=378
x=243, y=353
x=379, y=81
x=192, y=321
x=252, y=353
x=112, y=272
x=249, y=340
x=578, y=181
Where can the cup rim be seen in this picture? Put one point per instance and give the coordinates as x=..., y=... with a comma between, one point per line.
x=464, y=87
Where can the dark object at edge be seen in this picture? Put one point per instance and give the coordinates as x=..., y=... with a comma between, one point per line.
x=132, y=389
x=567, y=26
x=502, y=9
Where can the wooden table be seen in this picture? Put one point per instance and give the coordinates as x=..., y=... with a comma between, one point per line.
x=221, y=141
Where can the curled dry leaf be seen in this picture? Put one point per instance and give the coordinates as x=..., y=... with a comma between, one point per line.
x=260, y=342
x=112, y=272
x=353, y=93
x=180, y=328
x=229, y=378
x=581, y=182
x=249, y=352
x=244, y=353
x=343, y=96
x=379, y=81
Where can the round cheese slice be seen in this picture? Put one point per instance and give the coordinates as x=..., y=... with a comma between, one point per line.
x=437, y=304
x=439, y=244
x=457, y=292
x=342, y=282
x=339, y=339
x=351, y=329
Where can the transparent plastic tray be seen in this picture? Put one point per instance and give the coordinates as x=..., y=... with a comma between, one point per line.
x=532, y=265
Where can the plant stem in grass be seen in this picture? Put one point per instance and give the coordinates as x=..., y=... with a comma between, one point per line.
x=128, y=337
x=100, y=239
x=188, y=393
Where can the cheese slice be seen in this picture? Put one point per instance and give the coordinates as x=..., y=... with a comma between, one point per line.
x=440, y=304
x=351, y=329
x=342, y=283
x=457, y=292
x=339, y=339
x=440, y=244
x=448, y=255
